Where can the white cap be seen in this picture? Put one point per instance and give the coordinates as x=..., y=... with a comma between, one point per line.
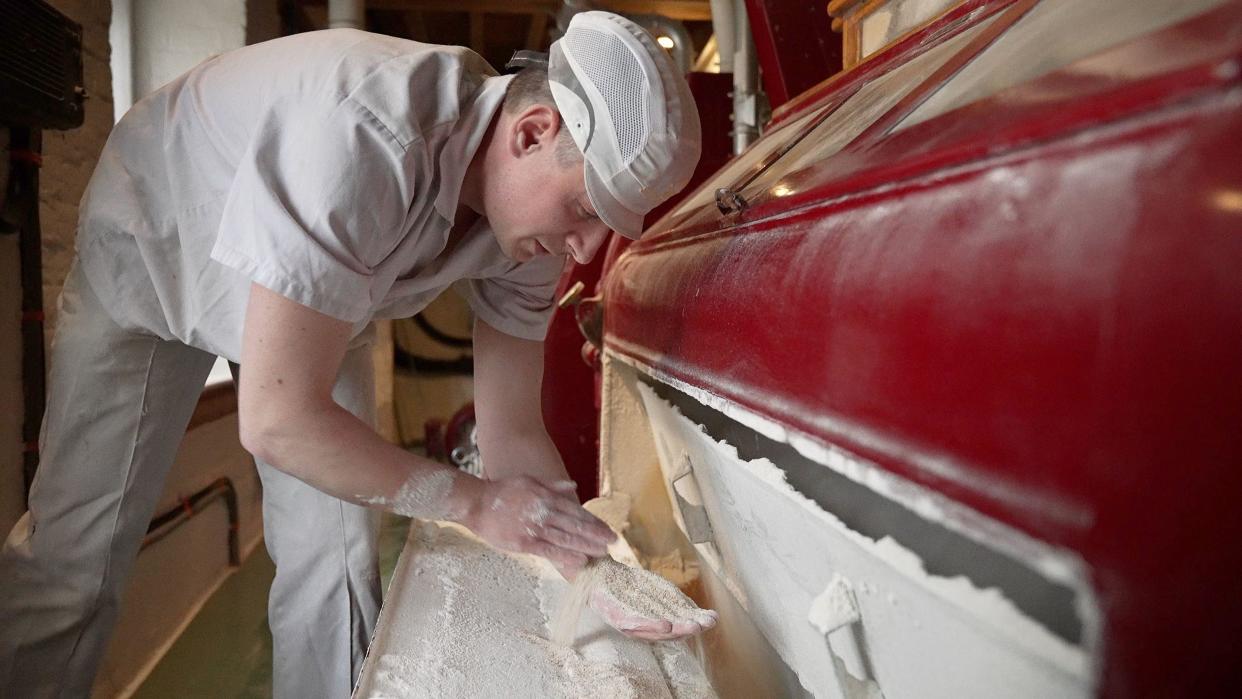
x=631, y=113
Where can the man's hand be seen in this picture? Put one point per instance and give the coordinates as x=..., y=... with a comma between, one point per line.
x=644, y=605
x=521, y=514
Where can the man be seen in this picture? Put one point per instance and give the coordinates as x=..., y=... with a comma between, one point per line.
x=264, y=207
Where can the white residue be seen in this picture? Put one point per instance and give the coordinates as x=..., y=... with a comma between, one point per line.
x=834, y=607
x=423, y=495
x=464, y=620
x=988, y=605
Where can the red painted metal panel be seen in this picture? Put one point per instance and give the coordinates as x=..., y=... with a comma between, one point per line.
x=1031, y=304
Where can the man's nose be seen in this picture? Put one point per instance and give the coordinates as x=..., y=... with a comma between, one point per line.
x=584, y=243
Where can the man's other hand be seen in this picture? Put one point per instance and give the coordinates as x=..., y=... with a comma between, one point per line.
x=521, y=514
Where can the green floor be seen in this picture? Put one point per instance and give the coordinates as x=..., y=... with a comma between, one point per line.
x=226, y=651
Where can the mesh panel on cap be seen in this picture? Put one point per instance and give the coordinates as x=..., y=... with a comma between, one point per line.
x=616, y=74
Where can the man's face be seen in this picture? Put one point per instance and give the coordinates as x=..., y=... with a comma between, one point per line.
x=538, y=205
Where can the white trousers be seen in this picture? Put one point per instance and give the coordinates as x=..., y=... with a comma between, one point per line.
x=118, y=405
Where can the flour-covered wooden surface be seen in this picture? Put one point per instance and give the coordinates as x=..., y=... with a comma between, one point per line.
x=462, y=619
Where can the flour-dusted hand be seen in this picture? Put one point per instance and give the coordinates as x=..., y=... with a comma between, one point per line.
x=521, y=514
x=644, y=605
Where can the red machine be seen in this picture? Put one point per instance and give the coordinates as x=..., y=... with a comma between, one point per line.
x=999, y=262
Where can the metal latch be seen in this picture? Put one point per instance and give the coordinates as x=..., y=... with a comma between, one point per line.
x=836, y=610
x=690, y=504
x=730, y=201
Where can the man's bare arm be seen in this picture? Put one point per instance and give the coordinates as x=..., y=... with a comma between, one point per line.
x=290, y=358
x=508, y=382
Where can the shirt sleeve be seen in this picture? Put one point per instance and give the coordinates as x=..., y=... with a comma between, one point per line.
x=518, y=302
x=318, y=201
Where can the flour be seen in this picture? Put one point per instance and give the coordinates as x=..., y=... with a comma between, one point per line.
x=834, y=607
x=423, y=495
x=626, y=597
x=784, y=547
x=465, y=620
x=564, y=625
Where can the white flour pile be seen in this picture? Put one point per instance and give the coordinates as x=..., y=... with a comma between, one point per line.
x=627, y=594
x=465, y=620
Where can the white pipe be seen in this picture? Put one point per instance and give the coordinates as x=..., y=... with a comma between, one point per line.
x=745, y=82
x=121, y=37
x=346, y=14
x=722, y=25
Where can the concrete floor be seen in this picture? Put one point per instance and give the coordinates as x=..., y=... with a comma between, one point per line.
x=226, y=652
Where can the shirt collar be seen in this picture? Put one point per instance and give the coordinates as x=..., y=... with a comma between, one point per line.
x=461, y=145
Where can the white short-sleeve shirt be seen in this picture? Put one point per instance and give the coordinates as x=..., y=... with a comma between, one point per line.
x=324, y=166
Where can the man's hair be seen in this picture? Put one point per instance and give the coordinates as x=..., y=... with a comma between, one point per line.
x=530, y=86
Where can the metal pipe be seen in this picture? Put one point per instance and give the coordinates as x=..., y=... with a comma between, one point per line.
x=722, y=26
x=661, y=26
x=745, y=82
x=221, y=488
x=346, y=14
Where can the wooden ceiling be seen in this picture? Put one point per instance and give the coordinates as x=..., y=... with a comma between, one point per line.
x=492, y=28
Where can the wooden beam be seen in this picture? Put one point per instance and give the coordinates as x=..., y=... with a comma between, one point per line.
x=694, y=10
x=516, y=7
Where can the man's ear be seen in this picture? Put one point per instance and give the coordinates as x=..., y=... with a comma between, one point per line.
x=535, y=128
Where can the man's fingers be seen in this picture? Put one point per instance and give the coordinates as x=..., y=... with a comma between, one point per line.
x=674, y=631
x=706, y=618
x=645, y=626
x=560, y=556
x=579, y=521
x=597, y=540
x=574, y=542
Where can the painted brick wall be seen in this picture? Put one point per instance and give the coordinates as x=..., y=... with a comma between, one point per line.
x=70, y=156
